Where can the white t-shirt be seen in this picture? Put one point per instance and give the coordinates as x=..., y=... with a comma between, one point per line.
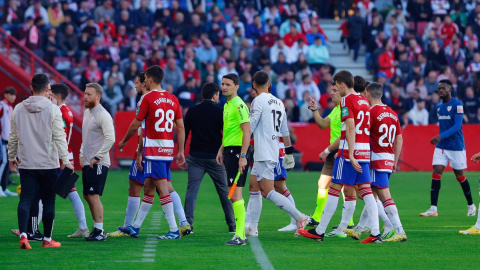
x=268, y=123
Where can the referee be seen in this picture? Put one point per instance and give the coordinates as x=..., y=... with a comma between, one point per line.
x=233, y=152
x=205, y=122
x=36, y=129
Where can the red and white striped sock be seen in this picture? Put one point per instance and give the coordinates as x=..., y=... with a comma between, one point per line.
x=329, y=210
x=145, y=206
x=289, y=196
x=371, y=204
x=167, y=206
x=392, y=213
x=381, y=213
x=178, y=208
x=347, y=212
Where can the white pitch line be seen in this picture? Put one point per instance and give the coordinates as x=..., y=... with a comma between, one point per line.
x=150, y=247
x=260, y=254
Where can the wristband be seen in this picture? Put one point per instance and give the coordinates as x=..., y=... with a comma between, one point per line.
x=327, y=151
x=289, y=150
x=314, y=110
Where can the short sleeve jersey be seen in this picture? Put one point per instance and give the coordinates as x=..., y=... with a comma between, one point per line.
x=356, y=106
x=335, y=123
x=268, y=123
x=446, y=119
x=160, y=110
x=384, y=128
x=235, y=113
x=67, y=117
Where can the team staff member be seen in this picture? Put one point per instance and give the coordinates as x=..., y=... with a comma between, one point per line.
x=205, y=123
x=233, y=151
x=6, y=108
x=36, y=128
x=98, y=136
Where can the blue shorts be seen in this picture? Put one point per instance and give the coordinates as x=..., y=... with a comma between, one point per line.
x=280, y=172
x=350, y=177
x=157, y=170
x=380, y=179
x=336, y=177
x=135, y=174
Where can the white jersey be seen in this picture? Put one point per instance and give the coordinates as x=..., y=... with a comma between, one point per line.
x=268, y=123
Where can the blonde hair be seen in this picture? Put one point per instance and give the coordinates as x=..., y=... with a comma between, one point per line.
x=98, y=88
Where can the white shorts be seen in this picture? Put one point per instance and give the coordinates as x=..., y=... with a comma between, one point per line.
x=264, y=170
x=457, y=159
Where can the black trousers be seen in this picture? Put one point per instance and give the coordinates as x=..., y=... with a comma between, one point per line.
x=4, y=168
x=33, y=182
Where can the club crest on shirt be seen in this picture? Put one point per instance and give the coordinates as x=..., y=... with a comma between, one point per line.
x=459, y=109
x=449, y=108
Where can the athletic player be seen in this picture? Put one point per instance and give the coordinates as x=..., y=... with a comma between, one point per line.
x=474, y=230
x=268, y=123
x=351, y=168
x=233, y=151
x=450, y=148
x=161, y=112
x=386, y=142
x=136, y=178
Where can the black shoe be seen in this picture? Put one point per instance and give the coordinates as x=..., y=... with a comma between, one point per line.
x=348, y=227
x=97, y=235
x=37, y=236
x=237, y=241
x=312, y=223
x=232, y=229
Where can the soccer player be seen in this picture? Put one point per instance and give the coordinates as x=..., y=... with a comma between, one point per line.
x=60, y=93
x=6, y=108
x=474, y=230
x=161, y=112
x=136, y=178
x=268, y=123
x=450, y=148
x=98, y=136
x=233, y=151
x=351, y=167
x=386, y=144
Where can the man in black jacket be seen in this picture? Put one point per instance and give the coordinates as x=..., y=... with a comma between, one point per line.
x=355, y=26
x=205, y=122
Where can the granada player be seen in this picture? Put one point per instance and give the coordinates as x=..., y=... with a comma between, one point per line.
x=60, y=93
x=386, y=142
x=351, y=167
x=161, y=111
x=474, y=230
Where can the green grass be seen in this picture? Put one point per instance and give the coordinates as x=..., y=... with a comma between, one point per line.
x=433, y=243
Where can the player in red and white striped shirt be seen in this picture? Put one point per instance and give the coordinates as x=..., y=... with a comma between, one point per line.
x=161, y=112
x=386, y=144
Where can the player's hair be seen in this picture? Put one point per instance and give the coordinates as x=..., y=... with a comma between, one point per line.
x=209, y=90
x=60, y=88
x=39, y=83
x=375, y=90
x=445, y=81
x=344, y=76
x=359, y=84
x=141, y=77
x=261, y=78
x=98, y=88
x=232, y=76
x=156, y=73
x=10, y=90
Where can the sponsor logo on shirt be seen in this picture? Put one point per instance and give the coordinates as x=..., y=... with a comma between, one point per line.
x=459, y=109
x=168, y=151
x=444, y=117
x=360, y=153
x=344, y=112
x=388, y=163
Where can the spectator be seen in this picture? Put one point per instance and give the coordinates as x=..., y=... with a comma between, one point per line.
x=474, y=66
x=417, y=85
x=30, y=36
x=173, y=75
x=470, y=36
x=116, y=74
x=55, y=14
x=405, y=67
x=432, y=35
x=232, y=25
x=462, y=74
x=355, y=26
x=270, y=38
x=433, y=112
x=92, y=74
x=432, y=83
x=293, y=36
x=100, y=53
x=132, y=72
x=105, y=8
x=317, y=54
x=84, y=42
x=445, y=73
x=50, y=46
x=132, y=57
x=130, y=101
x=285, y=26
x=278, y=48
x=280, y=66
x=112, y=96
x=447, y=30
x=418, y=115
x=365, y=7
x=307, y=86
x=228, y=68
x=13, y=17
x=420, y=10
x=454, y=54
x=471, y=103
x=386, y=60
x=436, y=56
x=398, y=102
x=306, y=115
x=397, y=12
x=90, y=26
x=192, y=72
x=255, y=29
x=187, y=93
x=37, y=10
x=83, y=13
x=106, y=22
x=440, y=7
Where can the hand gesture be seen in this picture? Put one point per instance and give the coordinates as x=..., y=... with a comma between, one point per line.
x=435, y=140
x=312, y=104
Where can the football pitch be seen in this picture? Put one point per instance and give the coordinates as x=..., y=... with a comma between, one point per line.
x=433, y=242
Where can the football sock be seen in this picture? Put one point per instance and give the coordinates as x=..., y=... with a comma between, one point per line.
x=436, y=184
x=363, y=219
x=168, y=210
x=48, y=239
x=477, y=225
x=329, y=210
x=351, y=220
x=23, y=235
x=239, y=211
x=255, y=207
x=366, y=194
x=383, y=215
x=392, y=213
x=466, y=188
x=78, y=209
x=247, y=214
x=40, y=212
x=321, y=200
x=178, y=207
x=284, y=204
x=289, y=196
x=347, y=212
x=132, y=208
x=99, y=226
x=145, y=206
